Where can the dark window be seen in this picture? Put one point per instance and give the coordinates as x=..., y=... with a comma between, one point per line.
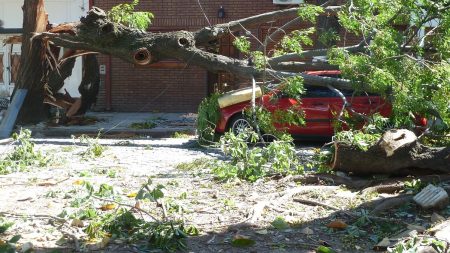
x=318, y=92
x=1, y=68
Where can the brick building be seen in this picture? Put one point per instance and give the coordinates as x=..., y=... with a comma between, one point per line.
x=167, y=86
x=173, y=86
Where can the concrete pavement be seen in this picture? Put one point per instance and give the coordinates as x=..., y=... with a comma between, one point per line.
x=119, y=124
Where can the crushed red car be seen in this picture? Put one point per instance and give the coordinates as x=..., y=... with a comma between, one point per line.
x=319, y=105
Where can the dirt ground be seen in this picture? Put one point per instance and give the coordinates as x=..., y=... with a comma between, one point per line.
x=221, y=211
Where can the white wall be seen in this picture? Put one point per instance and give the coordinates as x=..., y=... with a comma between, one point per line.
x=59, y=11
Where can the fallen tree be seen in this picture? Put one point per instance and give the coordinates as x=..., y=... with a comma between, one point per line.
x=409, y=66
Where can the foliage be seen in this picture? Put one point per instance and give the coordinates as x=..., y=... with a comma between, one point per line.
x=414, y=185
x=197, y=164
x=321, y=161
x=94, y=148
x=9, y=246
x=254, y=163
x=413, y=245
x=242, y=44
x=280, y=223
x=208, y=117
x=417, y=80
x=23, y=156
x=167, y=236
x=309, y=12
x=357, y=138
x=181, y=135
x=293, y=42
x=293, y=87
x=328, y=37
x=5, y=225
x=126, y=15
x=143, y=125
x=150, y=194
x=116, y=221
x=264, y=119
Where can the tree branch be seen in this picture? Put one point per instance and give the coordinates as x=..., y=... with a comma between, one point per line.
x=96, y=33
x=311, y=53
x=207, y=34
x=303, y=66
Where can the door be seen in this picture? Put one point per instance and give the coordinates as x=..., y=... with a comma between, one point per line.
x=9, y=68
x=314, y=106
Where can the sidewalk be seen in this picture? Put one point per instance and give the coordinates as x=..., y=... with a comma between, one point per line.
x=119, y=124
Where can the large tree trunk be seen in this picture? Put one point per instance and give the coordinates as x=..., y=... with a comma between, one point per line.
x=97, y=33
x=396, y=152
x=33, y=66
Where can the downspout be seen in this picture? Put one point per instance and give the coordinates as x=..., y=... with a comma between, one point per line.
x=108, y=86
x=108, y=93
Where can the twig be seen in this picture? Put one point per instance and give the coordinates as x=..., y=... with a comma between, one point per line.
x=164, y=209
x=33, y=215
x=282, y=197
x=301, y=244
x=315, y=203
x=349, y=213
x=53, y=183
x=127, y=205
x=76, y=242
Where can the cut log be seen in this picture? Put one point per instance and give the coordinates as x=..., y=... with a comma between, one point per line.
x=398, y=150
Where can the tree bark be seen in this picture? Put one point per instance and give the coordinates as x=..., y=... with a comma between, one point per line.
x=396, y=152
x=96, y=33
x=33, y=64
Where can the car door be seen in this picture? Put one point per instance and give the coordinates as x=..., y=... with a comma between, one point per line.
x=315, y=107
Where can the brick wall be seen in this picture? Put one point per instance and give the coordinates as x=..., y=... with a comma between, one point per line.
x=169, y=90
x=165, y=89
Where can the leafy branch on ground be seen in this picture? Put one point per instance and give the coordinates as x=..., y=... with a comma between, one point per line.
x=252, y=163
x=130, y=222
x=94, y=148
x=23, y=156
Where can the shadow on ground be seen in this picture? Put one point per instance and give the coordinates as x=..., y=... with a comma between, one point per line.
x=362, y=233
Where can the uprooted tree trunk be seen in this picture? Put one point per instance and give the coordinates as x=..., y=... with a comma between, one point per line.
x=33, y=64
x=95, y=33
x=397, y=151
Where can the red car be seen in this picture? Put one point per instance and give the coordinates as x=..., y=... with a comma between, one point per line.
x=319, y=105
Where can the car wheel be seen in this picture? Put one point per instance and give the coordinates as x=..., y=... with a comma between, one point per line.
x=239, y=124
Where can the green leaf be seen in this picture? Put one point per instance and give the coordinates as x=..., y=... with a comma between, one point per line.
x=324, y=249
x=242, y=242
x=15, y=239
x=279, y=223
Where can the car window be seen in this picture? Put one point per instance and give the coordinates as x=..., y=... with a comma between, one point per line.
x=321, y=92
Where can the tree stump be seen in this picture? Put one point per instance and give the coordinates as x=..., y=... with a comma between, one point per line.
x=397, y=150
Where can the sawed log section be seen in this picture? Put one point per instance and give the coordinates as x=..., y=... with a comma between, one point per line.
x=396, y=151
